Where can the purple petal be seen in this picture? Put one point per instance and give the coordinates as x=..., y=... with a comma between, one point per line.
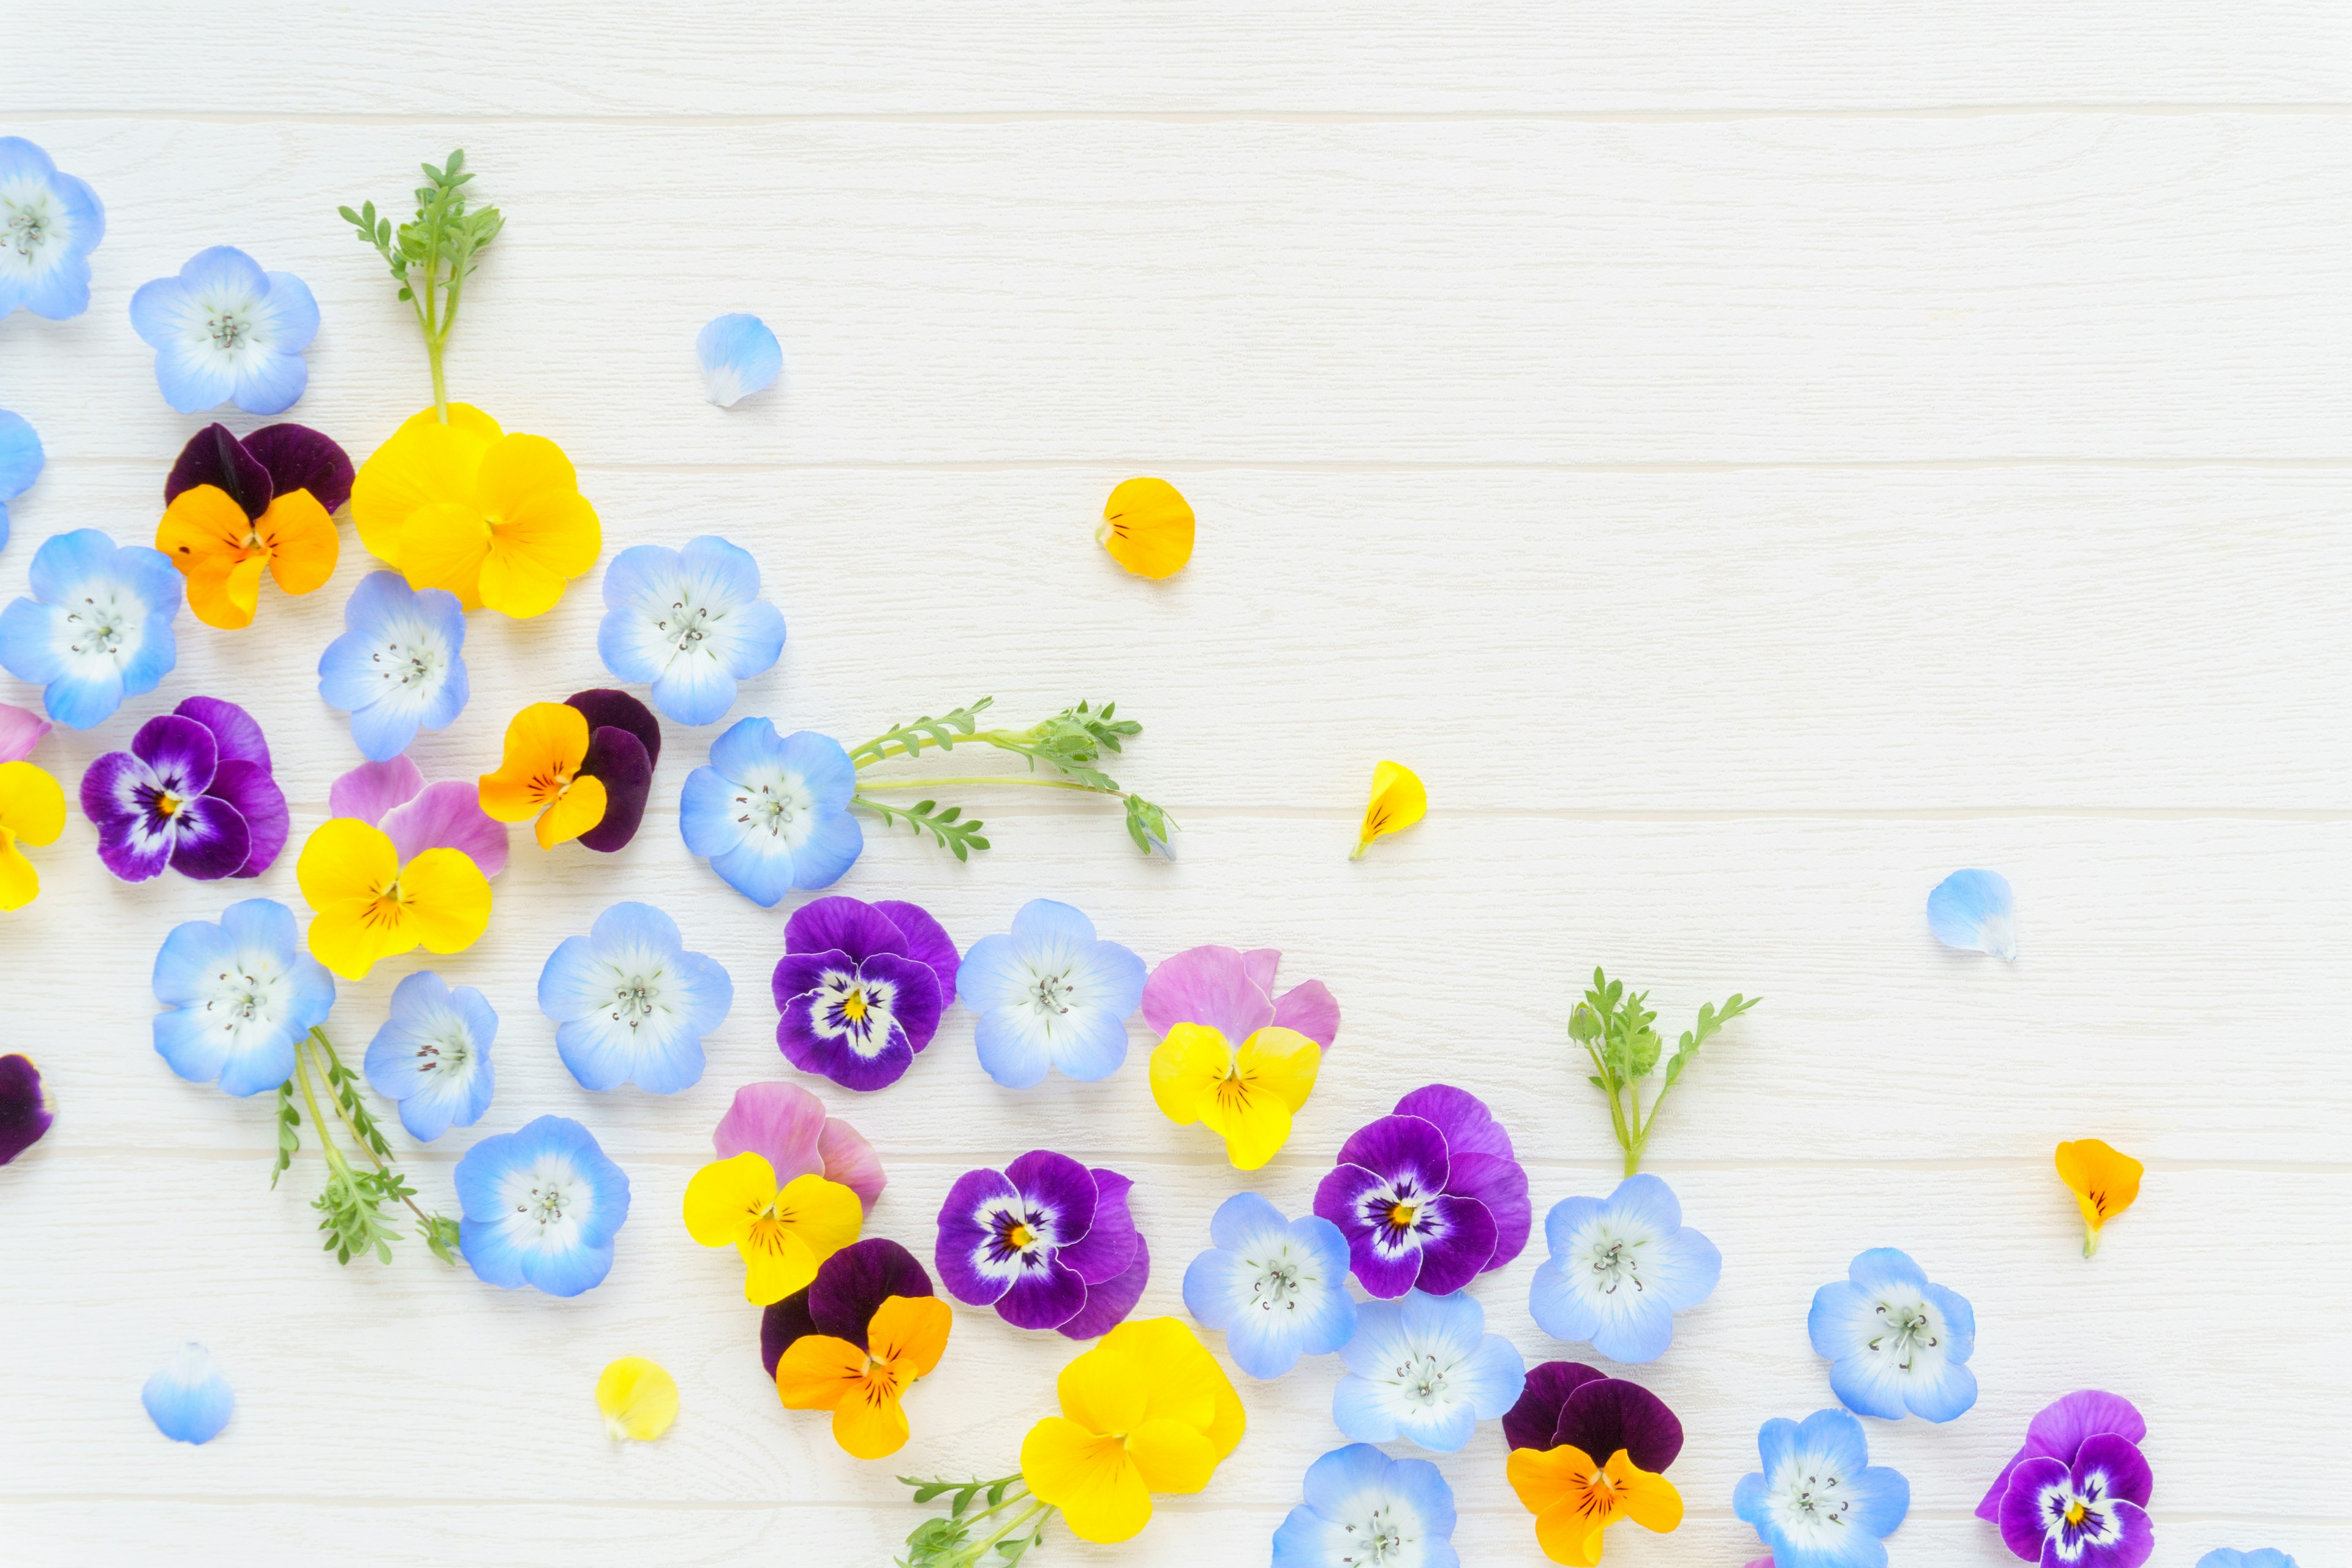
x=1061, y=1188
x=1108, y=1249
x=1385, y=1270
x=853, y=1056
x=1043, y=1298
x=1469, y=1127
x=1109, y=1303
x=210, y=839
x=20, y=732
x=927, y=942
x=1500, y=1184
x=780, y=1122
x=236, y=734
x=1398, y=1146
x=181, y=752
x=1530, y=1423
x=131, y=841
x=1262, y=963
x=848, y=926
x=2021, y=1530
x=24, y=1112
x=214, y=456
x=1457, y=1244
x=254, y=795
x=1207, y=985
x=850, y=1160
x=781, y=1324
x=372, y=789
x=604, y=706
x=2119, y=1459
x=915, y=995
x=619, y=759
x=2060, y=1430
x=2136, y=1545
x=1310, y=1009
x=448, y=815
x=852, y=1284
x=1607, y=1414
x=299, y=459
x=964, y=1238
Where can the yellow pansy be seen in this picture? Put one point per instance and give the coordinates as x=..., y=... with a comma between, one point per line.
x=32, y=811
x=1147, y=1410
x=1147, y=527
x=638, y=1398
x=1245, y=1094
x=783, y=1236
x=497, y=519
x=2103, y=1181
x=370, y=907
x=546, y=744
x=1397, y=802
x=1575, y=1499
x=863, y=1385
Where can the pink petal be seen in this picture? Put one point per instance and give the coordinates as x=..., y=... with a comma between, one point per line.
x=448, y=816
x=850, y=1160
x=780, y=1122
x=1209, y=986
x=19, y=733
x=370, y=790
x=1310, y=1009
x=1262, y=963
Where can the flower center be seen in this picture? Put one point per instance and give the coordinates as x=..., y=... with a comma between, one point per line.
x=1377, y=1539
x=1401, y=1216
x=30, y=226
x=1616, y=1262
x=166, y=803
x=100, y=626
x=1423, y=1379
x=853, y=1007
x=2074, y=1511
x=448, y=1054
x=1600, y=1494
x=686, y=626
x=239, y=995
x=407, y=665
x=1052, y=993
x=1277, y=1285
x=546, y=1204
x=778, y=806
x=636, y=999
x=1907, y=1330
x=230, y=326
x=1018, y=1238
x=1818, y=1499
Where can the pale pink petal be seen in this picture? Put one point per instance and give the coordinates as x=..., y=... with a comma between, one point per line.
x=780, y=1122
x=1261, y=962
x=850, y=1160
x=448, y=816
x=20, y=732
x=370, y=790
x=1310, y=1009
x=1209, y=986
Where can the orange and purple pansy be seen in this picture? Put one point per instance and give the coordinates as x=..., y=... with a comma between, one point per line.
x=583, y=766
x=234, y=508
x=854, y=1340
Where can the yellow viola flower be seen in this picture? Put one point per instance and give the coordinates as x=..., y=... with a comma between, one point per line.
x=540, y=776
x=1245, y=1094
x=1575, y=1499
x=370, y=906
x=497, y=519
x=1148, y=528
x=863, y=1385
x=639, y=1399
x=783, y=1234
x=1147, y=1410
x=32, y=811
x=2103, y=1181
x=1397, y=802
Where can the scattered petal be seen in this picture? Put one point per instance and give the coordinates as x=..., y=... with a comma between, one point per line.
x=1397, y=802
x=1147, y=527
x=2103, y=1180
x=26, y=1113
x=739, y=356
x=189, y=1400
x=1974, y=910
x=638, y=1398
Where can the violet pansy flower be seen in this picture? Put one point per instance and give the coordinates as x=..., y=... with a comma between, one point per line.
x=2060, y=1431
x=195, y=791
x=1429, y=1197
x=49, y=223
x=787, y=1125
x=1621, y=1267
x=98, y=628
x=1050, y=995
x=2091, y=1512
x=1045, y=1241
x=861, y=988
x=417, y=817
x=1567, y=1402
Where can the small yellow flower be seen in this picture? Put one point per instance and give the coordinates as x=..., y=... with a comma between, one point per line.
x=32, y=811
x=1148, y=528
x=783, y=1234
x=2103, y=1181
x=1245, y=1094
x=1575, y=1499
x=1397, y=802
x=371, y=906
x=638, y=1398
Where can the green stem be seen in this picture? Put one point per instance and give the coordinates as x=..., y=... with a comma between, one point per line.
x=983, y=1548
x=318, y=1122
x=1609, y=1087
x=985, y=779
x=2090, y=1240
x=343, y=1116
x=1004, y=740
x=1019, y=1495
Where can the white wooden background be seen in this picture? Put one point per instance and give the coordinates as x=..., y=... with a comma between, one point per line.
x=1752, y=459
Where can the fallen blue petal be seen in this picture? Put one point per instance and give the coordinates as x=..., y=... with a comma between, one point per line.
x=189, y=1400
x=739, y=356
x=1973, y=910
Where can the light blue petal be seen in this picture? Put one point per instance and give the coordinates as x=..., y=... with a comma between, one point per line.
x=631, y=646
x=223, y=270
x=569, y=982
x=568, y=1273
x=694, y=689
x=720, y=575
x=1246, y=1222
x=1216, y=1287
x=83, y=704
x=1306, y=1539
x=1378, y=1340
x=1883, y=1268
x=750, y=746
x=490, y=1250
x=20, y=454
x=1837, y=1438
x=263, y=1064
x=665, y=1063
x=1882, y=1499
x=706, y=818
x=1776, y=1440
x=1363, y=1412
x=1959, y=1321
x=1090, y=1044
x=1559, y=1309
x=294, y=314
x=1943, y=1398
x=630, y=929
x=265, y=925
x=381, y=729
x=271, y=384
x=1683, y=1269
x=1750, y=1500
x=750, y=641
x=1560, y=1224
x=833, y=848
x=63, y=292
x=191, y=1045
x=189, y=952
x=1647, y=1200
x=28, y=641
x=754, y=869
x=1440, y=1428
x=1490, y=1382
x=739, y=356
x=1053, y=935
x=1111, y=977
x=188, y=1399
x=644, y=577
x=156, y=309
x=192, y=379
x=1455, y=1323
x=1421, y=1488
x=825, y=767
x=1263, y=1344
x=1014, y=1047
x=991, y=974
x=66, y=561
x=1336, y=1480
x=1974, y=910
x=25, y=161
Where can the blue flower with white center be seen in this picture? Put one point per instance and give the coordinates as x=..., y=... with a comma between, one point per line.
x=49, y=223
x=630, y=1003
x=1895, y=1343
x=1364, y=1510
x=2261, y=1557
x=1621, y=1267
x=98, y=628
x=241, y=991
x=1818, y=1502
x=540, y=1207
x=399, y=665
x=1423, y=1368
x=188, y=1399
x=432, y=1058
x=1279, y=1288
x=225, y=331
x=1050, y=995
x=739, y=356
x=1975, y=909
x=20, y=463
x=689, y=621
x=772, y=814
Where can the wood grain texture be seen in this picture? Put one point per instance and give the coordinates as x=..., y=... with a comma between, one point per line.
x=1750, y=458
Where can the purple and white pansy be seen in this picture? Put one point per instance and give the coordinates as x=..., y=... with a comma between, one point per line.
x=1429, y=1197
x=1047, y=1242
x=195, y=791
x=2076, y=1492
x=861, y=988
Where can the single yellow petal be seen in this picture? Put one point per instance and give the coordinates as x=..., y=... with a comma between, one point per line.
x=776, y=1262
x=579, y=808
x=1186, y=1069
x=518, y=469
x=1571, y=1534
x=870, y=1422
x=1397, y=802
x=1106, y=1389
x=553, y=538
x=447, y=898
x=1647, y=1499
x=817, y=1371
x=724, y=1197
x=1148, y=528
x=545, y=744
x=444, y=546
x=1182, y=1381
x=639, y=1399
x=1089, y=1477
x=20, y=884
x=32, y=803
x=1254, y=1124
x=1172, y=1457
x=225, y=594
x=825, y=1214
x=2105, y=1183
x=911, y=1333
x=426, y=463
x=1545, y=1478
x=1282, y=1062
x=301, y=540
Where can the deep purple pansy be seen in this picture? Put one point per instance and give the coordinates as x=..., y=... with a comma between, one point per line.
x=861, y=988
x=2090, y=1513
x=623, y=745
x=275, y=460
x=195, y=791
x=1569, y=1403
x=849, y=1289
x=1045, y=1241
x=24, y=1110
x=1429, y=1197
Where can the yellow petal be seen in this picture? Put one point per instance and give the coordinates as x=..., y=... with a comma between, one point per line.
x=517, y=470
x=870, y=1422
x=825, y=1214
x=32, y=803
x=448, y=900
x=775, y=1263
x=444, y=546
x=575, y=811
x=20, y=884
x=1106, y=1389
x=1274, y=1072
x=1172, y=1457
x=202, y=522
x=426, y=463
x=550, y=539
x=725, y=1196
x=910, y=1332
x=1648, y=1500
x=1545, y=1478
x=1397, y=802
x=1568, y=1534
x=301, y=540
x=639, y=1399
x=2105, y=1183
x=1186, y=1069
x=545, y=744
x=1089, y=1477
x=225, y=594
x=1148, y=528
x=817, y=1371
x=1182, y=1381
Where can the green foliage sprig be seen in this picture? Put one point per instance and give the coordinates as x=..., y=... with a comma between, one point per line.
x=989, y=1524
x=1614, y=1028
x=431, y=256
x=351, y=1205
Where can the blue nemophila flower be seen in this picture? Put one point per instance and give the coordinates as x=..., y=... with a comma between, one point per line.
x=2260, y=1557
x=20, y=463
x=770, y=813
x=1818, y=1502
x=542, y=1206
x=1621, y=1267
x=630, y=1003
x=433, y=1054
x=1895, y=1343
x=1279, y=1288
x=1974, y=910
x=188, y=1399
x=1425, y=1368
x=399, y=665
x=49, y=223
x=225, y=331
x=1050, y=995
x=739, y=356
x=689, y=621
x=98, y=628
x=1364, y=1509
x=240, y=991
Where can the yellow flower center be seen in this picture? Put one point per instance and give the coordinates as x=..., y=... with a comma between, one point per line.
x=2074, y=1511
x=166, y=805
x=853, y=1007
x=1018, y=1236
x=386, y=908
x=1401, y=1216
x=1600, y=1494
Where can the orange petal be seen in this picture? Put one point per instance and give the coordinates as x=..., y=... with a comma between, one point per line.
x=911, y=1331
x=817, y=1371
x=225, y=593
x=300, y=536
x=545, y=744
x=1546, y=1478
x=201, y=521
x=1148, y=528
x=576, y=811
x=870, y=1422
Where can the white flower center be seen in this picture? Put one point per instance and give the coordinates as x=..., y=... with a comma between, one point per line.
x=687, y=626
x=1810, y=1501
x=1282, y=1282
x=104, y=622
x=246, y=996
x=1907, y=1334
x=781, y=805
x=410, y=662
x=448, y=1053
x=1377, y=1536
x=636, y=998
x=228, y=326
x=1422, y=1378
x=34, y=222
x=2079, y=1517
x=1616, y=1264
x=850, y=1006
x=1051, y=995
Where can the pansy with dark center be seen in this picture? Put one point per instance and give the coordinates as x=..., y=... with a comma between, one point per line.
x=195, y=791
x=1045, y=1241
x=861, y=988
x=2092, y=1511
x=1429, y=1197
x=849, y=1289
x=235, y=509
